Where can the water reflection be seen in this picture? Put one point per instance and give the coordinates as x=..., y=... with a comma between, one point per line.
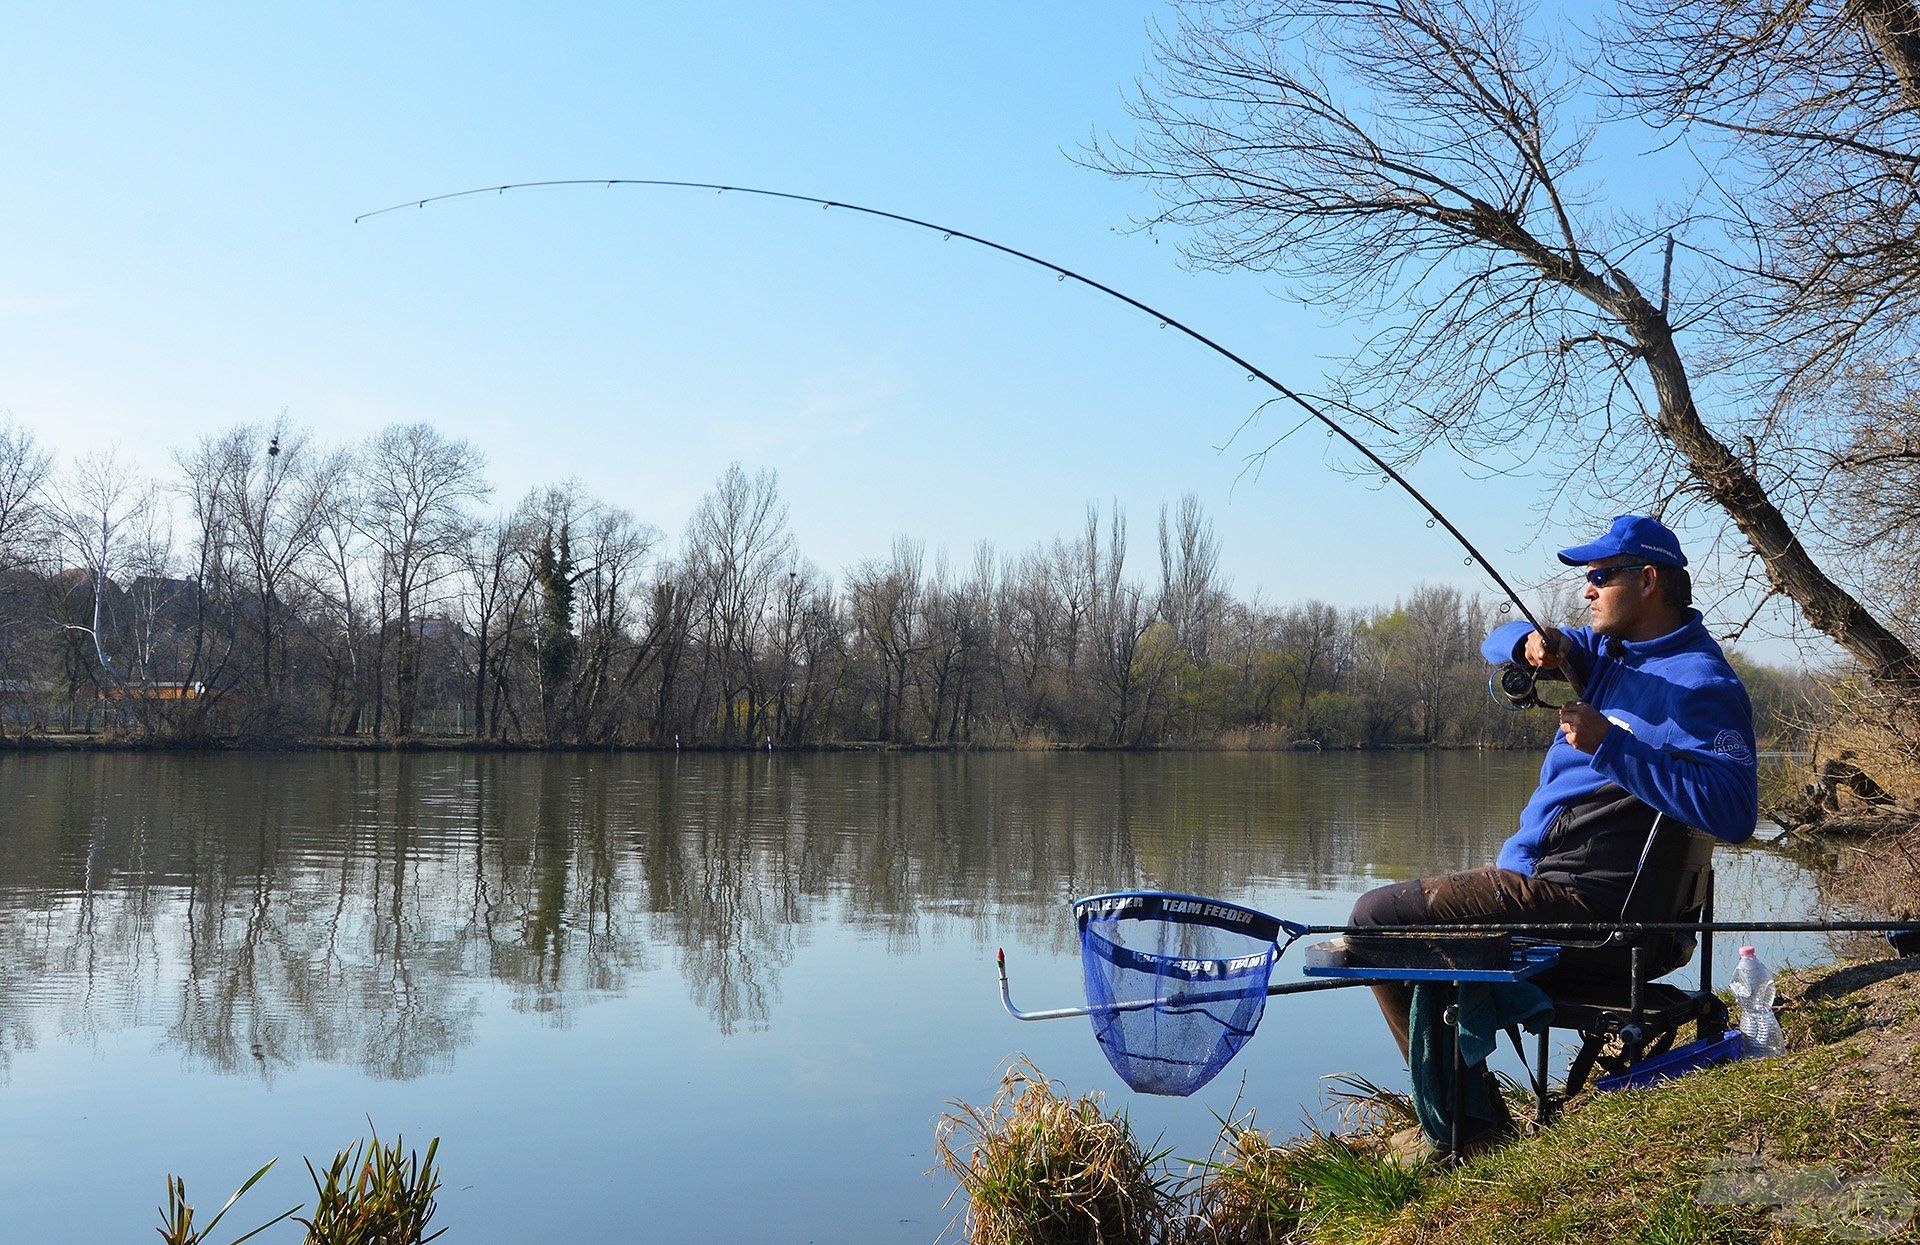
x=358, y=909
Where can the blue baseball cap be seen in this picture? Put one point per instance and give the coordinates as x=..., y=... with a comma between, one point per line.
x=1633, y=534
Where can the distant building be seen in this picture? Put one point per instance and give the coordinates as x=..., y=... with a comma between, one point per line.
x=153, y=689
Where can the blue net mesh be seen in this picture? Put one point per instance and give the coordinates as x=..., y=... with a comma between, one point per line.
x=1176, y=984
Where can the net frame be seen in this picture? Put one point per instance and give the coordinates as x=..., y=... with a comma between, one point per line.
x=1185, y=1015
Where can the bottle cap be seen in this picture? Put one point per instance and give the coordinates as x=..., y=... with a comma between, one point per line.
x=1746, y=953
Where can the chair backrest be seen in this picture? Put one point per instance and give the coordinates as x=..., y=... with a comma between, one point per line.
x=1671, y=884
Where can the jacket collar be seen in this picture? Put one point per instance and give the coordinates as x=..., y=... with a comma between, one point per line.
x=1686, y=635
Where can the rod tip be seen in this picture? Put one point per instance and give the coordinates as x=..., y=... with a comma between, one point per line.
x=1000, y=954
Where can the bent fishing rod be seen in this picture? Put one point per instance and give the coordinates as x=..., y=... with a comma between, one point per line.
x=1064, y=274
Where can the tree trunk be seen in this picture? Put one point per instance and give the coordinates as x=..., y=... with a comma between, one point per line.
x=1789, y=568
x=1894, y=27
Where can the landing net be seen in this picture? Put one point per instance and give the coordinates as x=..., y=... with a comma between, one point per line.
x=1176, y=983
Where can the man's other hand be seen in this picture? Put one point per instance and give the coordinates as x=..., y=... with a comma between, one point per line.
x=1583, y=725
x=1544, y=649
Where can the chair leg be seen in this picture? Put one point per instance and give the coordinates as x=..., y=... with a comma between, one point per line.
x=1452, y=1017
x=1536, y=1073
x=1542, y=1101
x=1590, y=1044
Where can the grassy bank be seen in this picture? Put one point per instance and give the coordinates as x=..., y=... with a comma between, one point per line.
x=1819, y=1144
x=1822, y=1143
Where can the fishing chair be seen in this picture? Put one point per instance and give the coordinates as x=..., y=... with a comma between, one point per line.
x=1609, y=993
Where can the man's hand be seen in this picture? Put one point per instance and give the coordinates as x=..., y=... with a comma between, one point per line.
x=1544, y=649
x=1583, y=725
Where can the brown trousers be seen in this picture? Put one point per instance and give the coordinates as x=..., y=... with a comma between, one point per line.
x=1490, y=894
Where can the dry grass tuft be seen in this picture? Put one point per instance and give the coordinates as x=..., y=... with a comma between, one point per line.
x=1267, y=738
x=1040, y=1168
x=1878, y=875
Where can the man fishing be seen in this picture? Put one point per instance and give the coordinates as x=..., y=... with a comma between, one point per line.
x=1664, y=729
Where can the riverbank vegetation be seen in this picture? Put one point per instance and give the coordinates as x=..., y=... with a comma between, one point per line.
x=273, y=590
x=1817, y=1144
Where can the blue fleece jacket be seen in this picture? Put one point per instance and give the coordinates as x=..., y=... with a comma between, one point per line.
x=1682, y=737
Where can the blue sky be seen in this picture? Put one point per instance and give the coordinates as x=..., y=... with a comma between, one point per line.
x=178, y=253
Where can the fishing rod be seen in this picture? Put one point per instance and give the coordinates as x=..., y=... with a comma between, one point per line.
x=1625, y=927
x=1537, y=928
x=1064, y=274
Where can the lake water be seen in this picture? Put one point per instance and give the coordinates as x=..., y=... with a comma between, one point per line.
x=675, y=998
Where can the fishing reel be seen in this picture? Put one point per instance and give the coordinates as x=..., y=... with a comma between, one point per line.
x=1515, y=685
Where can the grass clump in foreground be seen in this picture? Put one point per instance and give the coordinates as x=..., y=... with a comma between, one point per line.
x=371, y=1194
x=1263, y=1193
x=1819, y=1144
x=1268, y=1194
x=1040, y=1168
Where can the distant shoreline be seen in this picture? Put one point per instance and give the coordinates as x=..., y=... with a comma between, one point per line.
x=96, y=743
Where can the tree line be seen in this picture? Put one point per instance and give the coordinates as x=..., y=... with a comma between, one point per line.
x=275, y=589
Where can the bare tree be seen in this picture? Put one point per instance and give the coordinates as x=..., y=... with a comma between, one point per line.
x=24, y=469
x=1031, y=612
x=277, y=495
x=1076, y=566
x=417, y=487
x=493, y=594
x=887, y=600
x=738, y=545
x=24, y=532
x=1436, y=648
x=336, y=577
x=958, y=645
x=1190, y=599
x=1439, y=156
x=614, y=548
x=1818, y=104
x=1118, y=621
x=99, y=508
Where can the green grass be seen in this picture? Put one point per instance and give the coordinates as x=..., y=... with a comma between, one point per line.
x=1264, y=1194
x=1825, y=1021
x=374, y=1194
x=1630, y=1166
x=179, y=1218
x=371, y=1194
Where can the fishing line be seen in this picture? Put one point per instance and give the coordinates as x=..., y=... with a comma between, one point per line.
x=1065, y=274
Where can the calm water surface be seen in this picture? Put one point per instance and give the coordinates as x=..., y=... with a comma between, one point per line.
x=642, y=997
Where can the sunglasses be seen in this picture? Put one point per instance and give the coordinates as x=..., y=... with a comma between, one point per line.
x=1600, y=576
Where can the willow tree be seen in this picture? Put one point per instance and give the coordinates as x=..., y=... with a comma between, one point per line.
x=1459, y=172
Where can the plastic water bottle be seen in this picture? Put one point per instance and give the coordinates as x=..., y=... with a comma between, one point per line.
x=1752, y=988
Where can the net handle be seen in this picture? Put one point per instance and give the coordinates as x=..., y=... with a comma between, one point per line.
x=1069, y=1013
